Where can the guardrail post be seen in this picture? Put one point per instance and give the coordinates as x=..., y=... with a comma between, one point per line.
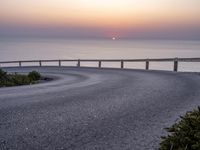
x=40, y=63
x=20, y=63
x=59, y=63
x=147, y=64
x=79, y=63
x=99, y=63
x=122, y=64
x=176, y=64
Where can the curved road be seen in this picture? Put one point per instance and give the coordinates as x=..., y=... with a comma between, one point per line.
x=94, y=109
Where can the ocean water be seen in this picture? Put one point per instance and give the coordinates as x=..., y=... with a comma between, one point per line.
x=38, y=48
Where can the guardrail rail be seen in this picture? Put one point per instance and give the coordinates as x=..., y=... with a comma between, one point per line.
x=100, y=61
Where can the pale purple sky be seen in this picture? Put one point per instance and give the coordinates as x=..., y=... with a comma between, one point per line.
x=168, y=19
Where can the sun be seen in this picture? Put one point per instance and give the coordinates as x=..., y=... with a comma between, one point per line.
x=113, y=38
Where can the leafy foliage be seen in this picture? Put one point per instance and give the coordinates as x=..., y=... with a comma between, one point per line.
x=184, y=135
x=17, y=79
x=2, y=73
x=34, y=75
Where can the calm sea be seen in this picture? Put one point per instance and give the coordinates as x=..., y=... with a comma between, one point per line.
x=29, y=49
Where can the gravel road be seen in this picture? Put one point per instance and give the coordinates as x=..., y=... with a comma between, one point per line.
x=94, y=109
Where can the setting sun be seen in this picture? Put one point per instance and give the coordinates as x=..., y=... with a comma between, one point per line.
x=113, y=38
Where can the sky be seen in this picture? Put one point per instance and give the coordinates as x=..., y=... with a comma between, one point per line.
x=173, y=19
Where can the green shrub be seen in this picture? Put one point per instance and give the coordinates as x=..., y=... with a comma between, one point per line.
x=34, y=75
x=184, y=135
x=3, y=77
x=2, y=73
x=18, y=79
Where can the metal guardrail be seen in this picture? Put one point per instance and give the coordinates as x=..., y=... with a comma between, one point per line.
x=100, y=61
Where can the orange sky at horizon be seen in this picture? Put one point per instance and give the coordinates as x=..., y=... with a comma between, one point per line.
x=100, y=13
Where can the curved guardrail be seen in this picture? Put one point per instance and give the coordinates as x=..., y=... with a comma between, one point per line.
x=100, y=61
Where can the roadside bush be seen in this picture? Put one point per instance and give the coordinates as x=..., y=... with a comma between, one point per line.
x=184, y=135
x=2, y=73
x=18, y=79
x=34, y=75
x=3, y=77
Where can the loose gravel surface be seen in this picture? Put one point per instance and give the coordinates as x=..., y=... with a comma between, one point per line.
x=94, y=109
